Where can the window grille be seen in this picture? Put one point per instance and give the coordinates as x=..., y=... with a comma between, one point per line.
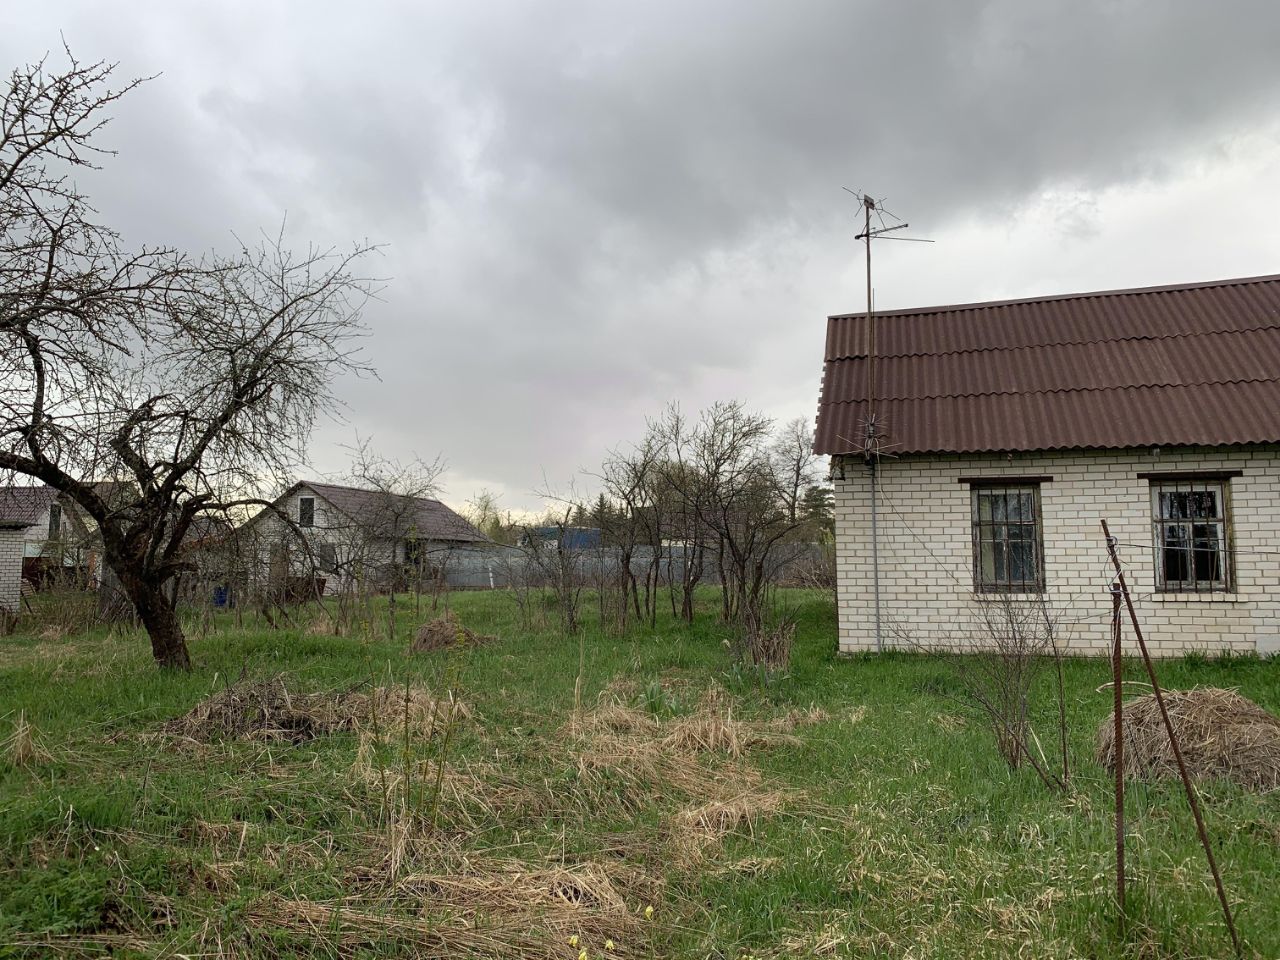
x=1007, y=539
x=1191, y=533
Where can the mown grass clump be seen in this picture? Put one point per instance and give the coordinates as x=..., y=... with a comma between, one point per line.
x=300, y=794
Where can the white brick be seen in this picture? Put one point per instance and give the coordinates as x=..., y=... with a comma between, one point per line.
x=12, y=543
x=926, y=564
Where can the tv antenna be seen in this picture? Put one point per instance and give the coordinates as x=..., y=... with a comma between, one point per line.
x=872, y=434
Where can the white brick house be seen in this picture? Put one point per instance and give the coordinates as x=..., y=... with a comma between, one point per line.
x=12, y=542
x=353, y=534
x=997, y=436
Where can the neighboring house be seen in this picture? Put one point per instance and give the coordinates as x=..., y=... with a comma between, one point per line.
x=13, y=526
x=1006, y=431
x=55, y=536
x=60, y=537
x=356, y=535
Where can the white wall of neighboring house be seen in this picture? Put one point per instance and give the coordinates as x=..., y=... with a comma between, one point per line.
x=69, y=542
x=351, y=546
x=12, y=549
x=926, y=549
x=37, y=535
x=357, y=557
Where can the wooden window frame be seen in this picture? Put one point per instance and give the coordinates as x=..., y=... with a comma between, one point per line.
x=1219, y=483
x=307, y=523
x=326, y=555
x=980, y=487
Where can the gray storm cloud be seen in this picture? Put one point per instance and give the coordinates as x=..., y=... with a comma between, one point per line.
x=591, y=209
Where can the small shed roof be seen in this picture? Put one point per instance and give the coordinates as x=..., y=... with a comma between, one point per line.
x=1190, y=364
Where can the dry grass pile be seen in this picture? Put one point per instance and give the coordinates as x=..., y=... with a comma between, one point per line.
x=698, y=831
x=797, y=718
x=706, y=732
x=482, y=908
x=1221, y=735
x=695, y=763
x=712, y=728
x=462, y=794
x=22, y=748
x=269, y=710
x=625, y=755
x=446, y=631
x=630, y=772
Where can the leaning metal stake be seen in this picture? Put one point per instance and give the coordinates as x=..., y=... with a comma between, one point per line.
x=1173, y=740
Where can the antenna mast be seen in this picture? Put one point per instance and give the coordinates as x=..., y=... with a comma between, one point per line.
x=872, y=434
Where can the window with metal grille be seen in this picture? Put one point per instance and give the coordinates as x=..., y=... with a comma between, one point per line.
x=1007, y=539
x=306, y=511
x=1189, y=521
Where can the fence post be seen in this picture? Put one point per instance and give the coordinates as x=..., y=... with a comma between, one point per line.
x=1173, y=740
x=1118, y=748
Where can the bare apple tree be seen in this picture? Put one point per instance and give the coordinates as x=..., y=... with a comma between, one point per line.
x=396, y=542
x=191, y=382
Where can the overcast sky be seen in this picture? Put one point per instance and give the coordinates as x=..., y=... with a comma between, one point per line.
x=592, y=209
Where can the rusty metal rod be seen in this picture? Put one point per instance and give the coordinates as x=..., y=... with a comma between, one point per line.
x=1118, y=748
x=1173, y=740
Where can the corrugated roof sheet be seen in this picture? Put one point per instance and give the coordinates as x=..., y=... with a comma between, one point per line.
x=1196, y=364
x=24, y=505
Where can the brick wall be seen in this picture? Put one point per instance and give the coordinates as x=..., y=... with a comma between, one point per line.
x=12, y=545
x=926, y=550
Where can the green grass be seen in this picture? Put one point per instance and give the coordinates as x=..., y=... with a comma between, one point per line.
x=903, y=833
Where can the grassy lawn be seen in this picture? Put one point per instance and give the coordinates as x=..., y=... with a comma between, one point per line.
x=855, y=807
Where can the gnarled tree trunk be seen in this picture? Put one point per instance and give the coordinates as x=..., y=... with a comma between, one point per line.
x=155, y=608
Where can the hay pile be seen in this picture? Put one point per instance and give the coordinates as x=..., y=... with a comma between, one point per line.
x=445, y=631
x=1221, y=734
x=269, y=710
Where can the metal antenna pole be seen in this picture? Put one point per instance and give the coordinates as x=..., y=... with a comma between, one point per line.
x=871, y=433
x=870, y=442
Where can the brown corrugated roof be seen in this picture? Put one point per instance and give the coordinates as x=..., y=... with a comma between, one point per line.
x=1196, y=364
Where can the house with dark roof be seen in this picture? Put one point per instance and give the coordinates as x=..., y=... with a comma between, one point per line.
x=347, y=535
x=976, y=448
x=16, y=518
x=58, y=537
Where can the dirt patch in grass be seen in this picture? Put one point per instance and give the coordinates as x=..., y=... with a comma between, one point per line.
x=1221, y=734
x=269, y=710
x=446, y=631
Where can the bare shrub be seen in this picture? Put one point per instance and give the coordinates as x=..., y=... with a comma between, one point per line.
x=999, y=661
